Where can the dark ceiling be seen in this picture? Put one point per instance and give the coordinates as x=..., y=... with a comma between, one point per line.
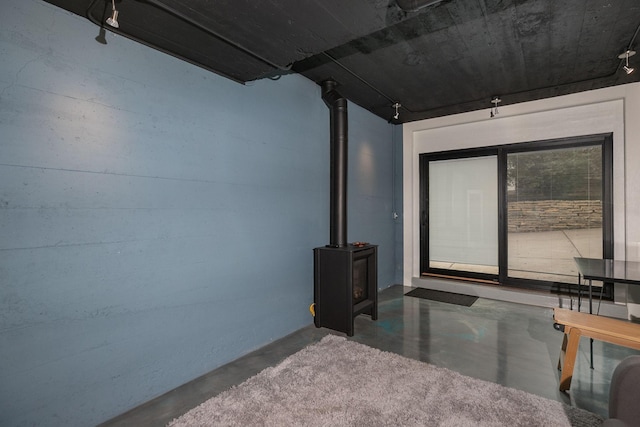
x=433, y=57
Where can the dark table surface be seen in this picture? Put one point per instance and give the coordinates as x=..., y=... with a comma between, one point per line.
x=609, y=270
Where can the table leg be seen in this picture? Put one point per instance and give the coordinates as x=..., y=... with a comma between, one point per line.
x=590, y=298
x=568, y=354
x=579, y=289
x=591, y=312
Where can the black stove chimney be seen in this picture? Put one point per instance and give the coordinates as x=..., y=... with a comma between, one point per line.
x=345, y=276
x=339, y=150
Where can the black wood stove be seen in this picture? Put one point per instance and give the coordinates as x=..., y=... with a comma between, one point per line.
x=345, y=285
x=345, y=275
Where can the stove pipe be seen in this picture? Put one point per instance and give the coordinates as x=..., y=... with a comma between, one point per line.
x=339, y=148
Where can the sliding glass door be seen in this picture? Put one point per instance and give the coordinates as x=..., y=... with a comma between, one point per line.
x=517, y=214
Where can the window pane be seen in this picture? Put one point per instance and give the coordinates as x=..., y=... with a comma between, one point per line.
x=463, y=214
x=554, y=211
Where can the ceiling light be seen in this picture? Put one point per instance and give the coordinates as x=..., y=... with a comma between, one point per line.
x=625, y=55
x=494, y=111
x=397, y=114
x=113, y=19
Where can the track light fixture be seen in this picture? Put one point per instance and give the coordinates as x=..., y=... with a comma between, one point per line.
x=625, y=55
x=113, y=19
x=494, y=110
x=397, y=114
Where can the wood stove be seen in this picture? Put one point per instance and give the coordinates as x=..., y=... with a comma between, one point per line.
x=345, y=276
x=345, y=285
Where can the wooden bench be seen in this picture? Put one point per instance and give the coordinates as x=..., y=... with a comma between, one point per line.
x=576, y=324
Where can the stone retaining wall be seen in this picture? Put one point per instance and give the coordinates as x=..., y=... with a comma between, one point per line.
x=551, y=215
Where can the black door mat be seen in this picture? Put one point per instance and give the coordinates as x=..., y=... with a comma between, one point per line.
x=448, y=297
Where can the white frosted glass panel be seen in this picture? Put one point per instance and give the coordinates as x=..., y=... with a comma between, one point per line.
x=463, y=212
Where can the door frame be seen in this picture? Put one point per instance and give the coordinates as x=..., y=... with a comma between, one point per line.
x=605, y=140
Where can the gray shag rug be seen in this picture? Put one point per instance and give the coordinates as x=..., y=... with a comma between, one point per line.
x=337, y=382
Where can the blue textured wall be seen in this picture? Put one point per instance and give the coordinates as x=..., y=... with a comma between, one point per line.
x=156, y=220
x=375, y=190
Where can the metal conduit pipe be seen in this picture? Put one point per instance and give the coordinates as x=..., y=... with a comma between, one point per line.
x=415, y=5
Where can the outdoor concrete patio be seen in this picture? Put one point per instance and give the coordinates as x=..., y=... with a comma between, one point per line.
x=545, y=255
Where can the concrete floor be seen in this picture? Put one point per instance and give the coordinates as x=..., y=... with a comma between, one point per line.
x=511, y=344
